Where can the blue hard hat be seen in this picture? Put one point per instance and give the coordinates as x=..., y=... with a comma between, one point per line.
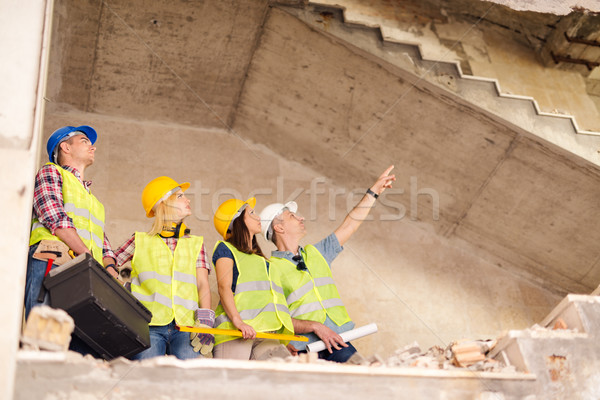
x=61, y=134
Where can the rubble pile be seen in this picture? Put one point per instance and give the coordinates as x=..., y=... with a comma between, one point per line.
x=458, y=355
x=559, y=329
x=461, y=354
x=47, y=329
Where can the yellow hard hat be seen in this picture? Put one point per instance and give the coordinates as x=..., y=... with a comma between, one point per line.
x=160, y=189
x=228, y=211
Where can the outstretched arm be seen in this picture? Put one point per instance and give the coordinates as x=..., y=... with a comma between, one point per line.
x=362, y=209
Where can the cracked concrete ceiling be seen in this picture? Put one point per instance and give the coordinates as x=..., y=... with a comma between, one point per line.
x=252, y=68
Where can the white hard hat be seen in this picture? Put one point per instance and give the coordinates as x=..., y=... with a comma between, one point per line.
x=268, y=214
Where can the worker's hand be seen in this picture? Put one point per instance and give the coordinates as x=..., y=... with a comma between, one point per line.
x=248, y=332
x=384, y=181
x=203, y=342
x=293, y=351
x=112, y=270
x=329, y=337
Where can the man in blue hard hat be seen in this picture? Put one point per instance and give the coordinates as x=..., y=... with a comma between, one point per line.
x=66, y=215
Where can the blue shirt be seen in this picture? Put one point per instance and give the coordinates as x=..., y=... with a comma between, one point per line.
x=329, y=248
x=222, y=251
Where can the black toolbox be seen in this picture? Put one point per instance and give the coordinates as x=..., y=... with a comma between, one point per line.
x=107, y=317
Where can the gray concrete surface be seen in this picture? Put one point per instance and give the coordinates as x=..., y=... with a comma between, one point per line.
x=231, y=379
x=488, y=226
x=23, y=71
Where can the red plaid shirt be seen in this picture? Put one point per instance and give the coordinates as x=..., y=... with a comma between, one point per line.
x=125, y=252
x=48, y=204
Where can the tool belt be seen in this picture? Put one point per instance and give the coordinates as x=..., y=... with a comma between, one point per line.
x=54, y=252
x=52, y=248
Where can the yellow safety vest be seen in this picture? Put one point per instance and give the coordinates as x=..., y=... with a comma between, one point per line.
x=258, y=298
x=83, y=208
x=311, y=295
x=165, y=282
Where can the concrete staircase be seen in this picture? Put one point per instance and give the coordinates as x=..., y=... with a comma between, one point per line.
x=521, y=111
x=566, y=362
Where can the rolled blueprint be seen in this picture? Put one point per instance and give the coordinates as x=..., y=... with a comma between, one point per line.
x=347, y=336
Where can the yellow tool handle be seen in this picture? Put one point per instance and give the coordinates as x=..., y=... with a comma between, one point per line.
x=235, y=332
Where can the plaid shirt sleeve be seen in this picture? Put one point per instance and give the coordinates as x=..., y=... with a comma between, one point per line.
x=125, y=252
x=201, y=261
x=107, y=249
x=48, y=206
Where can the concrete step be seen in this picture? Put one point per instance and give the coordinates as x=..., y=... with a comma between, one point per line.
x=579, y=312
x=566, y=362
x=522, y=111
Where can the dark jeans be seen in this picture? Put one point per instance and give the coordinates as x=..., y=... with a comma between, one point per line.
x=340, y=356
x=168, y=340
x=33, y=281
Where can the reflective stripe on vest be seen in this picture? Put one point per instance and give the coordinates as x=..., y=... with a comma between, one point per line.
x=307, y=287
x=165, y=282
x=311, y=295
x=316, y=306
x=258, y=297
x=84, y=209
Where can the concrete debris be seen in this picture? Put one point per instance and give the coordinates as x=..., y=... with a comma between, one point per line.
x=461, y=354
x=467, y=353
x=560, y=324
x=279, y=351
x=308, y=358
x=47, y=328
x=120, y=361
x=539, y=331
x=409, y=351
x=376, y=361
x=302, y=358
x=357, y=359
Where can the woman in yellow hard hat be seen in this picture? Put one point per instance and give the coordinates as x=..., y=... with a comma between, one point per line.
x=170, y=273
x=251, y=296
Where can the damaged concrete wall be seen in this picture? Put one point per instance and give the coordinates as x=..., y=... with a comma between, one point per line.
x=343, y=119
x=183, y=64
x=21, y=113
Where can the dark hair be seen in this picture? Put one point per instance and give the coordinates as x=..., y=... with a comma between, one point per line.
x=239, y=237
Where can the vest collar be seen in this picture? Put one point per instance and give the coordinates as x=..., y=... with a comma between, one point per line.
x=77, y=174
